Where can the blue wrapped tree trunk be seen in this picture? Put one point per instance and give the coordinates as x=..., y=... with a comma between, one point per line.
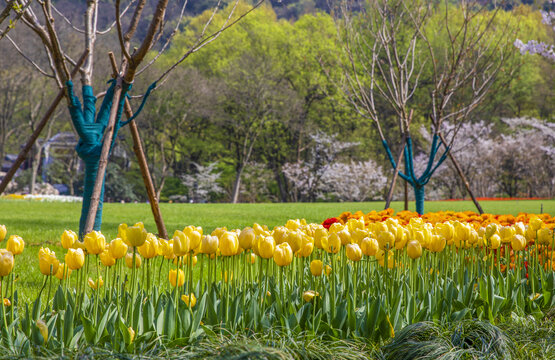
x=418, y=183
x=90, y=127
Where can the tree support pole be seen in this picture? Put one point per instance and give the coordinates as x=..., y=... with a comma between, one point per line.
x=395, y=175
x=25, y=151
x=396, y=171
x=103, y=163
x=463, y=177
x=141, y=159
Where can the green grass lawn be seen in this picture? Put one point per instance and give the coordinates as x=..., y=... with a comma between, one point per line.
x=42, y=223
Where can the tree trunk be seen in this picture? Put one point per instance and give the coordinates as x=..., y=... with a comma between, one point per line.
x=35, y=169
x=406, y=196
x=419, y=198
x=91, y=169
x=237, y=185
x=282, y=186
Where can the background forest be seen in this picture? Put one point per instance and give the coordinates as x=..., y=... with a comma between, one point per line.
x=258, y=116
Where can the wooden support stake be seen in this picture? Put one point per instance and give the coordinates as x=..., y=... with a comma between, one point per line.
x=463, y=177
x=25, y=151
x=103, y=163
x=396, y=171
x=141, y=159
x=395, y=175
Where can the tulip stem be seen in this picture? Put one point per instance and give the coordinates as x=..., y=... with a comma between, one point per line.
x=133, y=274
x=49, y=288
x=96, y=291
x=11, y=296
x=3, y=307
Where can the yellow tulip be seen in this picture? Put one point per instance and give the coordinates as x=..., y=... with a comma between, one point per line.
x=293, y=224
x=506, y=233
x=3, y=232
x=117, y=248
x=295, y=240
x=327, y=270
x=357, y=235
x=280, y=234
x=96, y=284
x=335, y=227
x=229, y=244
x=69, y=237
x=134, y=235
x=491, y=230
x=309, y=295
x=334, y=243
x=462, y=234
x=545, y=236
x=186, y=259
x=75, y=259
x=520, y=228
x=209, y=244
x=320, y=237
x=438, y=243
x=307, y=248
x=7, y=302
x=345, y=236
x=191, y=297
x=252, y=258
x=380, y=256
x=63, y=271
x=283, y=254
x=15, y=245
x=258, y=229
x=535, y=223
x=414, y=249
x=47, y=258
x=219, y=231
x=107, y=259
x=530, y=234
x=166, y=248
x=194, y=234
x=266, y=247
x=173, y=277
x=316, y=267
x=386, y=240
x=354, y=253
x=446, y=230
x=355, y=224
x=518, y=243
x=95, y=242
x=149, y=248
x=369, y=246
x=181, y=243
x=6, y=262
x=43, y=329
x=494, y=242
x=401, y=237
x=246, y=238
x=122, y=232
x=129, y=260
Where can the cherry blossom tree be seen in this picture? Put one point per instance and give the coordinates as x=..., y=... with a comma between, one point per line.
x=540, y=47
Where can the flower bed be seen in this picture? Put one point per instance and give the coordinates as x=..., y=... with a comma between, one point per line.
x=364, y=278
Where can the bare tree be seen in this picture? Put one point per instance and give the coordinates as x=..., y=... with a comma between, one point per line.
x=388, y=44
x=98, y=130
x=12, y=12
